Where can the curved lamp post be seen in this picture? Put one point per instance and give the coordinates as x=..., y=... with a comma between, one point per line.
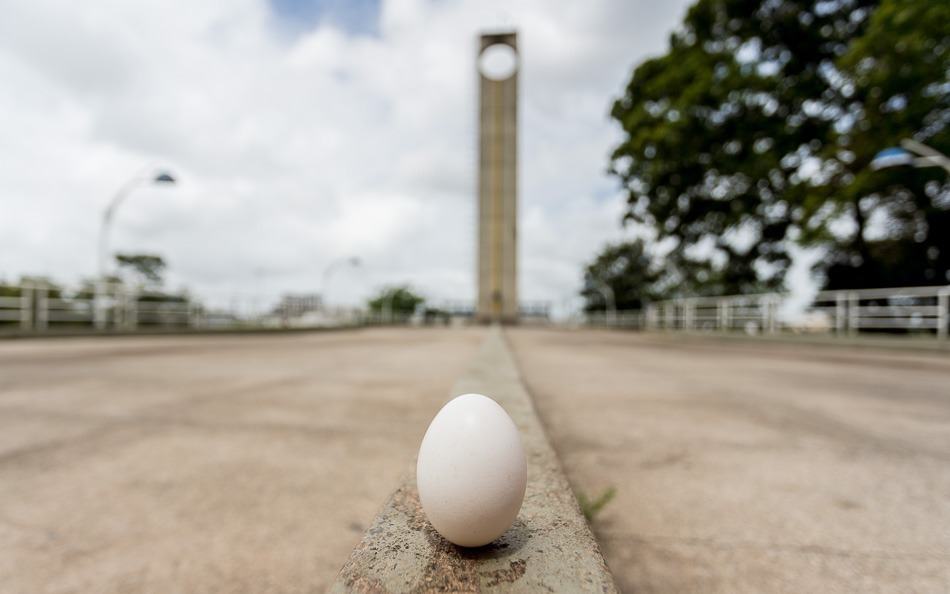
x=108, y=215
x=610, y=304
x=332, y=267
x=160, y=178
x=912, y=153
x=388, y=306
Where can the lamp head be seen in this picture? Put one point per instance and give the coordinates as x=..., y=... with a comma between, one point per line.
x=891, y=157
x=164, y=178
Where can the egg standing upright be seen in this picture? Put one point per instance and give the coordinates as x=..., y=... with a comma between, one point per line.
x=471, y=472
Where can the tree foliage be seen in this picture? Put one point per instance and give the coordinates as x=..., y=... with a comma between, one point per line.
x=756, y=128
x=399, y=300
x=895, y=81
x=150, y=268
x=626, y=269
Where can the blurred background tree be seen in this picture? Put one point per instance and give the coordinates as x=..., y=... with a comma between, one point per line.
x=895, y=84
x=149, y=268
x=755, y=131
x=626, y=269
x=397, y=300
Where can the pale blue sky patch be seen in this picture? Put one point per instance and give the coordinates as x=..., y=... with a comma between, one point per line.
x=357, y=17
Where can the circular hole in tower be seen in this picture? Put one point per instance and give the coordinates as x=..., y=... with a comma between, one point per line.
x=498, y=61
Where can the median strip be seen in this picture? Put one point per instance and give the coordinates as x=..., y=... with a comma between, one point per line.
x=550, y=548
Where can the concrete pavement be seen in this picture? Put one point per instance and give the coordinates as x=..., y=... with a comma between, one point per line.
x=752, y=467
x=207, y=464
x=254, y=463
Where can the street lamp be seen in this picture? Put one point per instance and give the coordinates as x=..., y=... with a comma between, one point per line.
x=160, y=178
x=910, y=153
x=332, y=267
x=388, y=306
x=108, y=215
x=610, y=304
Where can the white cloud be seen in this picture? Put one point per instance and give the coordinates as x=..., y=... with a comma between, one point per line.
x=295, y=151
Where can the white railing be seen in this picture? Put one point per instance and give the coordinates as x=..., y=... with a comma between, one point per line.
x=38, y=307
x=628, y=318
x=907, y=310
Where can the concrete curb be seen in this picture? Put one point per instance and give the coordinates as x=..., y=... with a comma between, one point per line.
x=549, y=549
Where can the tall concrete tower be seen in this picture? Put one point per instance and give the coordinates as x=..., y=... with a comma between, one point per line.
x=498, y=178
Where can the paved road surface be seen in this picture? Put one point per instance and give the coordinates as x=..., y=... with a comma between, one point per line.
x=207, y=464
x=253, y=464
x=752, y=467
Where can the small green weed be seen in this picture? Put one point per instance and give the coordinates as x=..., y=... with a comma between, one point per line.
x=591, y=507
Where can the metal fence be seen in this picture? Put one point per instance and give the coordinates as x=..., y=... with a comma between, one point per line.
x=919, y=311
x=923, y=311
x=38, y=307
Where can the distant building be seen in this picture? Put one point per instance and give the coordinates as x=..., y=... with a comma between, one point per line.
x=294, y=306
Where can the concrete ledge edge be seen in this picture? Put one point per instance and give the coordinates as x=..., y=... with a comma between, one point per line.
x=550, y=548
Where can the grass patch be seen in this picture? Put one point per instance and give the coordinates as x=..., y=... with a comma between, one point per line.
x=591, y=507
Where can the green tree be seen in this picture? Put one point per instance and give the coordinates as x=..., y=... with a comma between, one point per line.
x=895, y=84
x=726, y=152
x=399, y=300
x=626, y=269
x=150, y=268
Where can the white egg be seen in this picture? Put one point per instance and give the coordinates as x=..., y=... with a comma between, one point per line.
x=471, y=471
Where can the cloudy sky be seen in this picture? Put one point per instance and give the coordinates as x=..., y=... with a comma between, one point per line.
x=306, y=132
